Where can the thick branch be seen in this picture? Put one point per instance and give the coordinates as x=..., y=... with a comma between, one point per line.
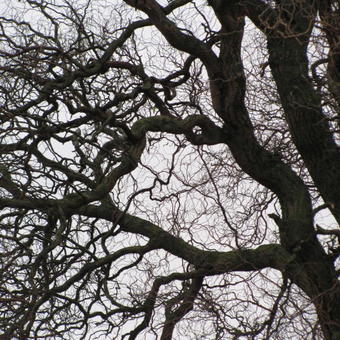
x=178, y=39
x=302, y=106
x=210, y=133
x=187, y=298
x=210, y=262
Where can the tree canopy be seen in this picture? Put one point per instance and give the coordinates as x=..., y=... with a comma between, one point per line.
x=169, y=169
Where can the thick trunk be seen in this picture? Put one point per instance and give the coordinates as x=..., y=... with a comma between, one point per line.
x=307, y=124
x=328, y=309
x=287, y=49
x=324, y=291
x=313, y=139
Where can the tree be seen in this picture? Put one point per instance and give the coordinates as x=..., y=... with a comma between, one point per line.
x=170, y=164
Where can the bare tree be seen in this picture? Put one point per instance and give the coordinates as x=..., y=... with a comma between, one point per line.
x=170, y=169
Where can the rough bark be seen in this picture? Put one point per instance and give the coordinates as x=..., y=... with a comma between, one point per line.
x=287, y=45
x=299, y=255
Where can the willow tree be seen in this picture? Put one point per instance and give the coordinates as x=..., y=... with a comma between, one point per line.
x=170, y=170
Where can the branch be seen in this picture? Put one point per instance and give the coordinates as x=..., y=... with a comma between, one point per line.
x=150, y=301
x=93, y=68
x=260, y=13
x=208, y=262
x=302, y=104
x=210, y=133
x=187, y=298
x=175, y=37
x=322, y=231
